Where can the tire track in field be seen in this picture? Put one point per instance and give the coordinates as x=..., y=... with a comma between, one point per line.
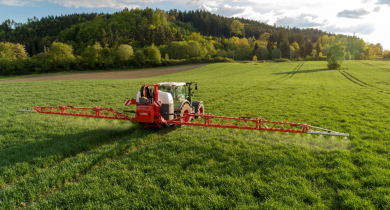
x=371, y=65
x=241, y=93
x=265, y=85
x=73, y=173
x=367, y=86
x=361, y=83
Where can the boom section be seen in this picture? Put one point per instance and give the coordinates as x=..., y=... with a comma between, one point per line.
x=95, y=112
x=248, y=123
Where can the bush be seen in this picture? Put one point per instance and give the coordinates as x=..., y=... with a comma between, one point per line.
x=282, y=60
x=335, y=56
x=318, y=58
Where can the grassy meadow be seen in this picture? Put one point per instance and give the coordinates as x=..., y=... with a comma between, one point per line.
x=63, y=162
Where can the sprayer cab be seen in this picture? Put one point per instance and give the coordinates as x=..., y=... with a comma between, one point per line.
x=178, y=90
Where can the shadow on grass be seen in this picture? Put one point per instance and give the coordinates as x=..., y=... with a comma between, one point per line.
x=303, y=71
x=28, y=158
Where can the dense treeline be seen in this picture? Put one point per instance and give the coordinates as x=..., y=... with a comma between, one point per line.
x=139, y=38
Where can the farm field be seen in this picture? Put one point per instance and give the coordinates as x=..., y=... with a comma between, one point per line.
x=63, y=162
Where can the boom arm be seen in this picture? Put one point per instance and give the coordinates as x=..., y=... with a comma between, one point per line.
x=204, y=120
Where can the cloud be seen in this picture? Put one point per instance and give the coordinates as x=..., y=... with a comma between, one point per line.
x=365, y=29
x=353, y=13
x=228, y=11
x=376, y=9
x=383, y=2
x=208, y=3
x=116, y=4
x=14, y=3
x=365, y=1
x=225, y=10
x=300, y=21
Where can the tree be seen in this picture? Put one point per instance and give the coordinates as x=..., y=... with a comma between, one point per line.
x=285, y=48
x=11, y=51
x=261, y=53
x=237, y=27
x=276, y=53
x=139, y=57
x=154, y=55
x=124, y=52
x=178, y=50
x=386, y=54
x=335, y=56
x=254, y=58
x=195, y=49
x=166, y=57
x=62, y=54
x=314, y=53
x=91, y=55
x=61, y=51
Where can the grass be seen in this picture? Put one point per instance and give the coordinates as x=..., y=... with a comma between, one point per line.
x=64, y=162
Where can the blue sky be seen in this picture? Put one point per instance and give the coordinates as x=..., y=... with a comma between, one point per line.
x=367, y=18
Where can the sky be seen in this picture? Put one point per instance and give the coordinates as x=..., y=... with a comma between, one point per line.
x=368, y=19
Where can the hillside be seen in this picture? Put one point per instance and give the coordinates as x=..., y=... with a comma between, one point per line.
x=144, y=38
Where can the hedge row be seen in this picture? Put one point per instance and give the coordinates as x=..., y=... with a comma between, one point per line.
x=30, y=66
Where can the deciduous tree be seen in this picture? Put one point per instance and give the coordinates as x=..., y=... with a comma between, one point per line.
x=335, y=56
x=124, y=52
x=154, y=55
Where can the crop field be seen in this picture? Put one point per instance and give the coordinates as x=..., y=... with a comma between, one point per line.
x=63, y=162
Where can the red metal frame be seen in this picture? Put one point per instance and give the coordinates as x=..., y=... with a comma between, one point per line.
x=96, y=112
x=249, y=123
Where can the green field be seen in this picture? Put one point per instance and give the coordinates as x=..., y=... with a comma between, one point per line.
x=64, y=162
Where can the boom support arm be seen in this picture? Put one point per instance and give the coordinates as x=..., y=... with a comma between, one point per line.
x=95, y=112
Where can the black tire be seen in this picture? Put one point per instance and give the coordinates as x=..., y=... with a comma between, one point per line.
x=199, y=107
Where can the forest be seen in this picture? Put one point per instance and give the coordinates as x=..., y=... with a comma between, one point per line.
x=140, y=38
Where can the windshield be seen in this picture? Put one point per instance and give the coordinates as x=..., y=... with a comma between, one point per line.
x=180, y=92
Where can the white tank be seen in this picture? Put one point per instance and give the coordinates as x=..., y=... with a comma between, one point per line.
x=166, y=104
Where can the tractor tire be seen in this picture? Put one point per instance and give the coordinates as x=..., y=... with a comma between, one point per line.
x=199, y=107
x=186, y=109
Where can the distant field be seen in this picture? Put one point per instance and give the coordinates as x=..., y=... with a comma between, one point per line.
x=64, y=162
x=99, y=75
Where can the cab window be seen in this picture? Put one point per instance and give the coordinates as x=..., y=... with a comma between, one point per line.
x=180, y=92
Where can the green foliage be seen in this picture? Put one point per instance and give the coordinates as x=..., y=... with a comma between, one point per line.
x=11, y=51
x=205, y=35
x=282, y=60
x=178, y=50
x=124, y=52
x=237, y=27
x=348, y=56
x=61, y=51
x=254, y=58
x=140, y=57
x=335, y=56
x=386, y=54
x=154, y=55
x=261, y=53
x=276, y=53
x=284, y=47
x=91, y=56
